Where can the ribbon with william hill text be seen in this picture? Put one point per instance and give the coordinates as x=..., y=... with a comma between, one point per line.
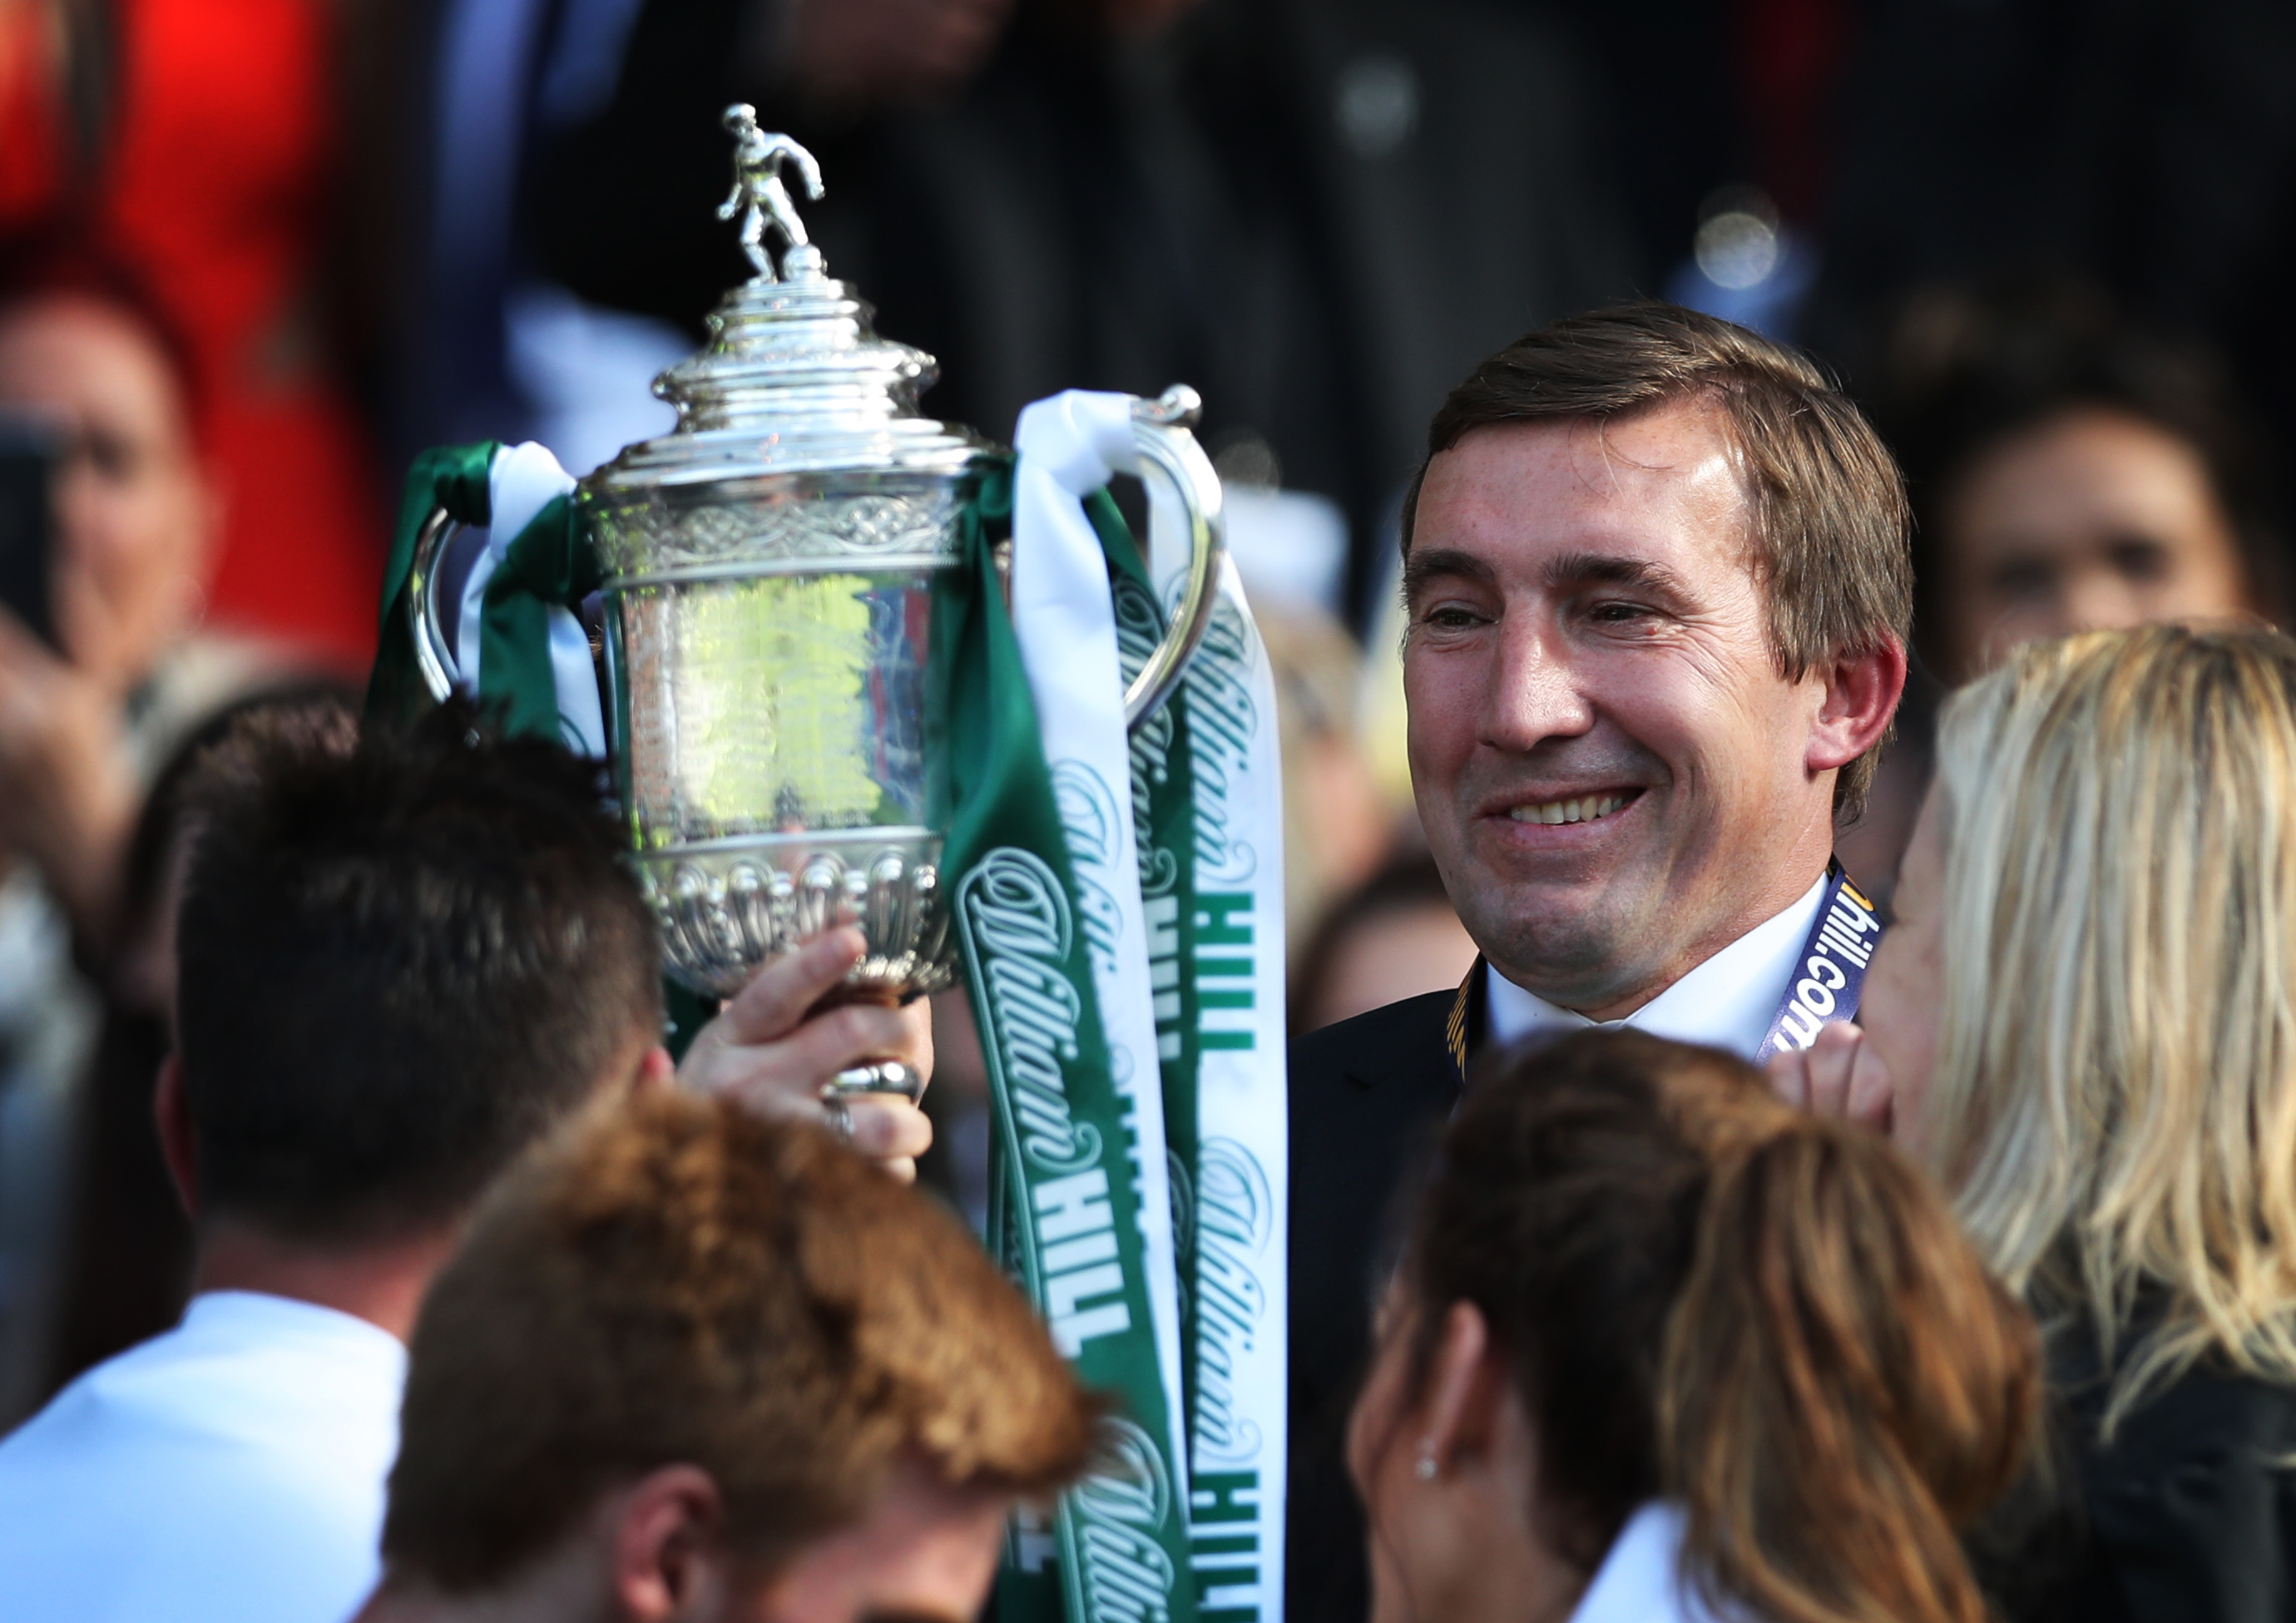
x=1137, y=1079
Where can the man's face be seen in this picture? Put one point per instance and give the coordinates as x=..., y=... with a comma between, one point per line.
x=2090, y=520
x=1613, y=776
x=925, y=1555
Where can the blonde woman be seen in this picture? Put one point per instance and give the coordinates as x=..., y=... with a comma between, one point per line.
x=2085, y=1020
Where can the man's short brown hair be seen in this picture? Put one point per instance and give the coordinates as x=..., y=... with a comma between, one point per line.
x=680, y=1282
x=404, y=956
x=1829, y=534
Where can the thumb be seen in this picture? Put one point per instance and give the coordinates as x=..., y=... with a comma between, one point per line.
x=778, y=995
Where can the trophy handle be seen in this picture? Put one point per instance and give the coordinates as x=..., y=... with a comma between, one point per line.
x=1159, y=429
x=440, y=670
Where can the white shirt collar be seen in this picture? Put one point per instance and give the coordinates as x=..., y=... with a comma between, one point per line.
x=258, y=1319
x=1728, y=1002
x=1640, y=1580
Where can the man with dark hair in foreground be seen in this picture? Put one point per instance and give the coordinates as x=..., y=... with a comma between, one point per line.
x=402, y=961
x=694, y=1363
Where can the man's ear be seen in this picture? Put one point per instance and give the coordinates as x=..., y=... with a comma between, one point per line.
x=1861, y=696
x=171, y=1113
x=655, y=1070
x=665, y=1546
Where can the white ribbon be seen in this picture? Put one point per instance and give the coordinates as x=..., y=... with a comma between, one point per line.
x=520, y=482
x=1070, y=446
x=1238, y=1454
x=1065, y=621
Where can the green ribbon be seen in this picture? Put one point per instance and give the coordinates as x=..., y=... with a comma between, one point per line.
x=449, y=477
x=1163, y=816
x=550, y=564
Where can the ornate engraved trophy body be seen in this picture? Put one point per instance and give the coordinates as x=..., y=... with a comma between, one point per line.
x=770, y=565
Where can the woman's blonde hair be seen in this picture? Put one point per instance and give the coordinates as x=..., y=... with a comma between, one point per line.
x=2114, y=1099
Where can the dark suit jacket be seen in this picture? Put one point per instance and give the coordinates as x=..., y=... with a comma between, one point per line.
x=1368, y=1098
x=2187, y=1516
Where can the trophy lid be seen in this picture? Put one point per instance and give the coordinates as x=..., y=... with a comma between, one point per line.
x=794, y=379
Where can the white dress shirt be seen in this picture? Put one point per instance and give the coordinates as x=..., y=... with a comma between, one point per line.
x=1640, y=1580
x=1728, y=1002
x=232, y=1468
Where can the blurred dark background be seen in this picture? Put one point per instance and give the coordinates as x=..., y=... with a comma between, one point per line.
x=379, y=227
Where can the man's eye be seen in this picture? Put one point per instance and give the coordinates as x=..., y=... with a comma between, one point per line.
x=2142, y=560
x=1619, y=613
x=2025, y=580
x=1450, y=617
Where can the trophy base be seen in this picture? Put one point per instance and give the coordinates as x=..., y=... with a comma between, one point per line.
x=728, y=907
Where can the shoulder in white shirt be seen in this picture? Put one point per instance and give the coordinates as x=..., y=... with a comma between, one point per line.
x=1728, y=1002
x=1641, y=1579
x=232, y=1468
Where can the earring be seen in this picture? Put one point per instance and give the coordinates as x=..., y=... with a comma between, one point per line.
x=1427, y=1463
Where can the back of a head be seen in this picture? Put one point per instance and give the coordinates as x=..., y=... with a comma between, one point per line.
x=401, y=961
x=1829, y=524
x=2114, y=1099
x=682, y=1281
x=1709, y=1297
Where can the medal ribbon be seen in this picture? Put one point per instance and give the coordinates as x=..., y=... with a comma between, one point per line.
x=1829, y=978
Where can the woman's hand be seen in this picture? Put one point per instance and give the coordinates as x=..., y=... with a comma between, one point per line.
x=763, y=1051
x=1837, y=1075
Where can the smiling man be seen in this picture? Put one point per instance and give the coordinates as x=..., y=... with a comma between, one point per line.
x=1656, y=584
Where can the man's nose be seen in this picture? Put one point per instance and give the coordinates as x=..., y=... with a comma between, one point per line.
x=2099, y=599
x=1536, y=691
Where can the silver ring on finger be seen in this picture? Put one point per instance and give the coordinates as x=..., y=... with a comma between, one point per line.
x=879, y=1076
x=838, y=1118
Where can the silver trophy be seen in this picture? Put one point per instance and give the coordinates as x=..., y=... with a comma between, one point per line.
x=770, y=565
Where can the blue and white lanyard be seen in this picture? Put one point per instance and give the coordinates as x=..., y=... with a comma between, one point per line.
x=1830, y=972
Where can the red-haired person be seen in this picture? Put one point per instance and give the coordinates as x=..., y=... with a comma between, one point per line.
x=697, y=1365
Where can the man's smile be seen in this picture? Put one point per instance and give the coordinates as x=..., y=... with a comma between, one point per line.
x=1582, y=808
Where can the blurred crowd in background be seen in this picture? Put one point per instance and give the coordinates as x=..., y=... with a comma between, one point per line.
x=254, y=253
